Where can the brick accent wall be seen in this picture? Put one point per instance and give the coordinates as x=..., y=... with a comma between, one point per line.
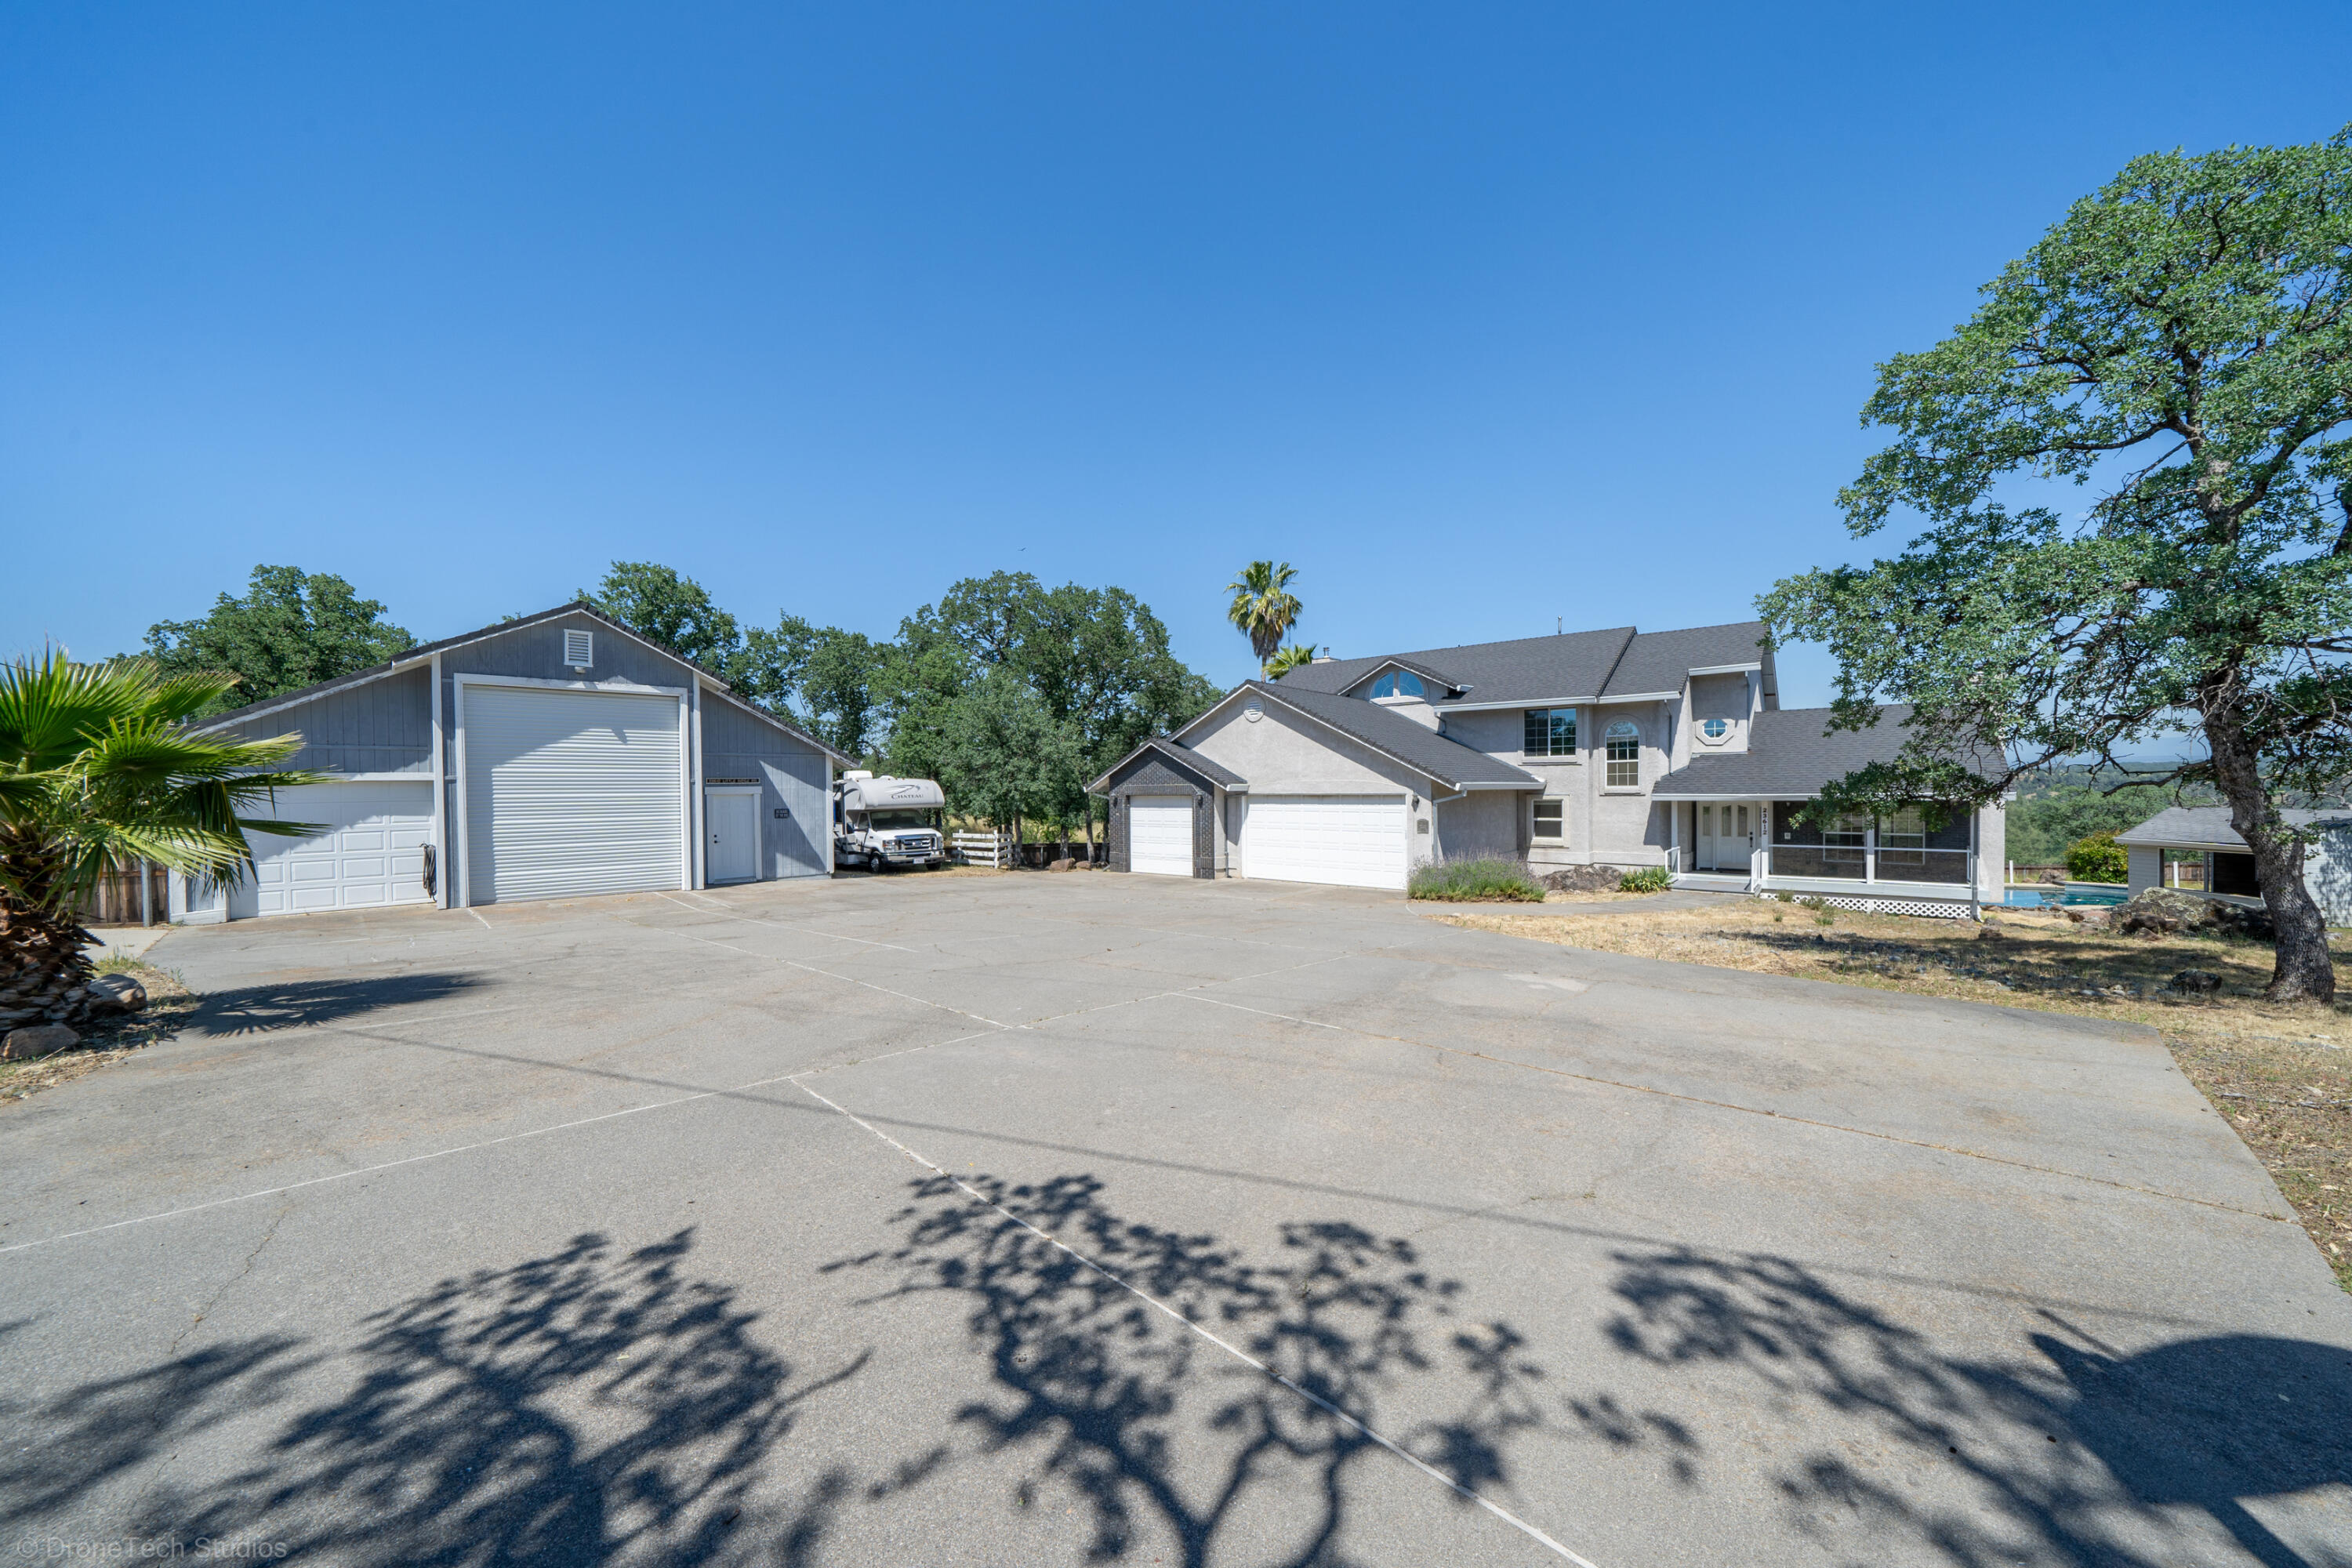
x=1154, y=772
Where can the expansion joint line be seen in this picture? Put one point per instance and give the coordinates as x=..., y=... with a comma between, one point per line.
x=1506, y=1515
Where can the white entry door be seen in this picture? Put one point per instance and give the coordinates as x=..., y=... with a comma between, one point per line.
x=732, y=817
x=1159, y=834
x=570, y=792
x=1724, y=837
x=1350, y=841
x=369, y=851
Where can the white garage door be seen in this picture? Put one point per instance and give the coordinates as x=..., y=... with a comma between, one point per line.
x=1349, y=840
x=570, y=792
x=1159, y=834
x=370, y=851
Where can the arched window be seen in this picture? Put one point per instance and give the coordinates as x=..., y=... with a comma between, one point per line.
x=1625, y=755
x=1398, y=683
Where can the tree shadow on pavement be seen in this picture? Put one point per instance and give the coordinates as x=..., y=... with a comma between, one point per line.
x=294, y=1005
x=581, y=1408
x=2086, y=1456
x=1156, y=1432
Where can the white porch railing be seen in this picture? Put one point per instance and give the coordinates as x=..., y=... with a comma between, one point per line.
x=994, y=850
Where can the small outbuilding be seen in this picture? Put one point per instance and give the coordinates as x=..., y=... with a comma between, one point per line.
x=545, y=757
x=2205, y=831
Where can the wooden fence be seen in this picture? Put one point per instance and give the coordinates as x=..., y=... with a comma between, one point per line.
x=983, y=848
x=115, y=900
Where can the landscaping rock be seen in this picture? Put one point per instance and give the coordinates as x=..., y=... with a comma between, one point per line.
x=31, y=1044
x=2196, y=982
x=2162, y=911
x=117, y=994
x=2167, y=911
x=1584, y=879
x=1065, y=864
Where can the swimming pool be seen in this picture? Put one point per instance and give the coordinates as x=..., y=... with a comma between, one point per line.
x=2075, y=895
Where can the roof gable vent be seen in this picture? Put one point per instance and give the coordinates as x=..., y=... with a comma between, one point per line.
x=579, y=650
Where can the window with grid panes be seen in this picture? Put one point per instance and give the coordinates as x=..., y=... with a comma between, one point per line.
x=1624, y=757
x=1549, y=732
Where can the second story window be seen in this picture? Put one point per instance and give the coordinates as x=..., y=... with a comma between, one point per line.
x=1398, y=683
x=1551, y=732
x=1624, y=757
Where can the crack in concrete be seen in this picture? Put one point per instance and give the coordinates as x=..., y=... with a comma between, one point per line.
x=233, y=1281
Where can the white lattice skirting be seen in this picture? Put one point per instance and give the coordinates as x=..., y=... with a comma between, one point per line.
x=1934, y=908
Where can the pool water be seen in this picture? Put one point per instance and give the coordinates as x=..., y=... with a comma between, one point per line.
x=2076, y=895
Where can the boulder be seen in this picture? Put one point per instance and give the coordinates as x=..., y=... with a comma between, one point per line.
x=2165, y=912
x=2162, y=911
x=2196, y=982
x=1584, y=879
x=31, y=1044
x=1065, y=863
x=117, y=994
x=2054, y=878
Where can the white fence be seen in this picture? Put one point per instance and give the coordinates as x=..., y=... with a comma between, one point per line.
x=984, y=848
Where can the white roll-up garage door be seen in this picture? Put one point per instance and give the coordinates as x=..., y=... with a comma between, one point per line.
x=1159, y=834
x=570, y=792
x=369, y=851
x=1349, y=840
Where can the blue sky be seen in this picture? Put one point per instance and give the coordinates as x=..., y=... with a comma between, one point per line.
x=1484, y=318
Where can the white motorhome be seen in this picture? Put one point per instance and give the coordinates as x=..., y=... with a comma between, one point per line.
x=885, y=823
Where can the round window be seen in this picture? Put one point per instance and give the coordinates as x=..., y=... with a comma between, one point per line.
x=1714, y=729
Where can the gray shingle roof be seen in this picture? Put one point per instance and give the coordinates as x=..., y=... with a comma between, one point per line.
x=1183, y=756
x=1574, y=665
x=1445, y=760
x=1791, y=753
x=409, y=656
x=2207, y=826
x=1525, y=669
x=1661, y=661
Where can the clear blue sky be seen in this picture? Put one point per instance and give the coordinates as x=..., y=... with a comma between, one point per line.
x=1481, y=316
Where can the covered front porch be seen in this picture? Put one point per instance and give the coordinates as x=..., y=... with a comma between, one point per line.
x=1912, y=861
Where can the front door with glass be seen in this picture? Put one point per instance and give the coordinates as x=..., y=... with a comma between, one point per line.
x=1726, y=837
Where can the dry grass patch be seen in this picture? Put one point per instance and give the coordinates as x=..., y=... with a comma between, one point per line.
x=169, y=1003
x=2283, y=1075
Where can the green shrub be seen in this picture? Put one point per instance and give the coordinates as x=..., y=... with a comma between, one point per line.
x=1648, y=880
x=1488, y=877
x=2098, y=858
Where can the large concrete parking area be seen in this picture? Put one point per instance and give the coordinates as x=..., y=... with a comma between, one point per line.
x=1087, y=1218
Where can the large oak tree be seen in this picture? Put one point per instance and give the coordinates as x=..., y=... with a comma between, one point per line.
x=2181, y=344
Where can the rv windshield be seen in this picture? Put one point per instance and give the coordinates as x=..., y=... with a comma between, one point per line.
x=888, y=819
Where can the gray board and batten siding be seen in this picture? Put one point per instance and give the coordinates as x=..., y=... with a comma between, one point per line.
x=378, y=725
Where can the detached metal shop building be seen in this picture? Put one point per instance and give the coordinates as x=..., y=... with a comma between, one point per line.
x=550, y=756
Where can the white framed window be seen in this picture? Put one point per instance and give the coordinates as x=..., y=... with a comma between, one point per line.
x=1398, y=683
x=1625, y=741
x=1548, y=732
x=579, y=650
x=1551, y=819
x=1715, y=731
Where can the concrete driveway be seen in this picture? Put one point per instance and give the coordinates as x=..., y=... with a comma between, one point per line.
x=1090, y=1218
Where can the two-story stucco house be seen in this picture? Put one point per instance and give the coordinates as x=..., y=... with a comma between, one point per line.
x=1617, y=748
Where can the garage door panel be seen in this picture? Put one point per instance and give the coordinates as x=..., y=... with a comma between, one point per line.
x=305, y=875
x=1350, y=841
x=572, y=792
x=1159, y=834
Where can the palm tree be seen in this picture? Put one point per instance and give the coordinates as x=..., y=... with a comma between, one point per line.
x=97, y=769
x=1287, y=659
x=1264, y=608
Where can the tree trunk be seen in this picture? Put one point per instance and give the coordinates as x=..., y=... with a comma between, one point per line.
x=2304, y=971
x=44, y=969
